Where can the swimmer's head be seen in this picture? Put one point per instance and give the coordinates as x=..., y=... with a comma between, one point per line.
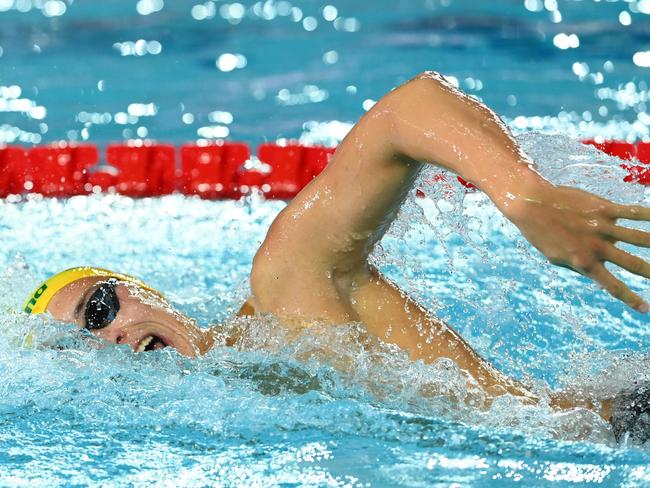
x=118, y=308
x=631, y=415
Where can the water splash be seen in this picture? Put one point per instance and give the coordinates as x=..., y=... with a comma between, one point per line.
x=289, y=406
x=531, y=319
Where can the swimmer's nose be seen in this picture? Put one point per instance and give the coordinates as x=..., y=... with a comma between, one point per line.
x=113, y=334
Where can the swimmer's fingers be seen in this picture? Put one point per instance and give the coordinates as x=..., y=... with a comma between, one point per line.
x=630, y=262
x=631, y=236
x=630, y=212
x=617, y=288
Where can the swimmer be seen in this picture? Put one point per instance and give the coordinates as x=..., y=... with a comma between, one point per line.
x=313, y=265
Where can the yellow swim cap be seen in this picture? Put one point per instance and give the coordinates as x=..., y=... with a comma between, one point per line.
x=38, y=301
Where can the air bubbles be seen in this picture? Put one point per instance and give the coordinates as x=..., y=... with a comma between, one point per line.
x=142, y=109
x=188, y=118
x=142, y=132
x=10, y=101
x=213, y=132
x=236, y=10
x=473, y=84
x=642, y=59
x=233, y=12
x=267, y=10
x=16, y=105
x=550, y=5
x=101, y=85
x=122, y=118
x=626, y=96
x=95, y=118
x=138, y=48
x=625, y=18
x=309, y=94
x=608, y=66
x=573, y=125
x=564, y=41
x=309, y=24
x=451, y=80
x=38, y=112
x=644, y=118
x=643, y=6
x=10, y=134
x=220, y=117
x=296, y=14
x=229, y=62
x=146, y=7
x=54, y=8
x=154, y=47
x=283, y=8
x=330, y=57
x=520, y=122
x=330, y=13
x=350, y=24
x=580, y=69
x=351, y=90
x=324, y=133
x=9, y=92
x=368, y=104
x=534, y=5
x=203, y=11
x=597, y=78
x=23, y=6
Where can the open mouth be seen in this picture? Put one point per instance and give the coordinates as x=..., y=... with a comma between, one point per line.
x=151, y=343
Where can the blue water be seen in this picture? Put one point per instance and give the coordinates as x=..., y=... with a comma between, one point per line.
x=73, y=413
x=497, y=50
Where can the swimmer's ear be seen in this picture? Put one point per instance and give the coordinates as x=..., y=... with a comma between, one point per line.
x=631, y=415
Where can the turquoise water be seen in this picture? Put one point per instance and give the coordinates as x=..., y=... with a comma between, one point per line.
x=73, y=64
x=76, y=413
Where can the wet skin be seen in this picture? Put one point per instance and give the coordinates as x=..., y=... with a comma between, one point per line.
x=313, y=265
x=141, y=315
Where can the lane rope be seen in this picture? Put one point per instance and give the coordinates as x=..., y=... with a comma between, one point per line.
x=213, y=170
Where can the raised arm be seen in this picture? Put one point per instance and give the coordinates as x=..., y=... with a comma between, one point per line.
x=572, y=228
x=331, y=227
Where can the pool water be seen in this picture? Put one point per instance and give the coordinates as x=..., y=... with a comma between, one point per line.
x=85, y=69
x=76, y=413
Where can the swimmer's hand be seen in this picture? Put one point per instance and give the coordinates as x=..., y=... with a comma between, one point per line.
x=578, y=230
x=430, y=120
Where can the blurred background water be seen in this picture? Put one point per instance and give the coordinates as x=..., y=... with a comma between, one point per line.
x=176, y=71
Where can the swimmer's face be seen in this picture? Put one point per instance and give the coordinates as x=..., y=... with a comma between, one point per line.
x=125, y=313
